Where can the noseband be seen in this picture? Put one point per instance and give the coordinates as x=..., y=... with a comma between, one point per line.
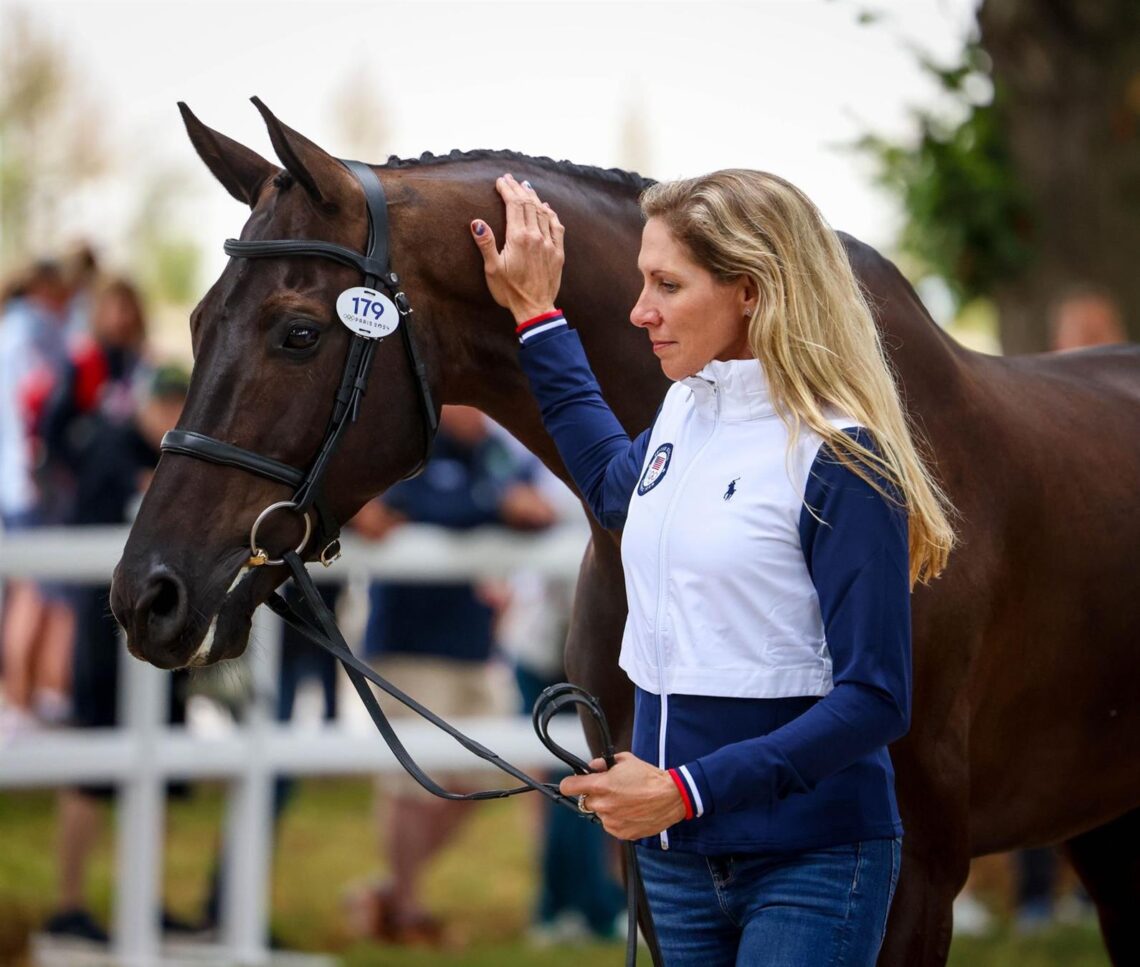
x=374, y=266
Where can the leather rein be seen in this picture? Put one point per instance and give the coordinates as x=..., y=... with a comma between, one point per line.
x=319, y=624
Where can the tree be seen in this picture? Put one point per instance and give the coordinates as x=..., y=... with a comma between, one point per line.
x=1034, y=187
x=50, y=138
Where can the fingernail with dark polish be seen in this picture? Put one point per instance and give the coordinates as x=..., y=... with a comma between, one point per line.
x=480, y=228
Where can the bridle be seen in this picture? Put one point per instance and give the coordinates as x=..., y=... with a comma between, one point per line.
x=319, y=625
x=374, y=266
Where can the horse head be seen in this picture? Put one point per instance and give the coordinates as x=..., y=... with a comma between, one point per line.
x=269, y=355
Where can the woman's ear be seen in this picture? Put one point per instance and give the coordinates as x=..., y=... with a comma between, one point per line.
x=749, y=297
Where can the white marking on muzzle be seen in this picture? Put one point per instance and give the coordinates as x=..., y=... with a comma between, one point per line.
x=202, y=655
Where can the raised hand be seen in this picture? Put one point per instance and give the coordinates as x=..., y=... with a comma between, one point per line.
x=526, y=275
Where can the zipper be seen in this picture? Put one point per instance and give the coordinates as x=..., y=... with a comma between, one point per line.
x=662, y=596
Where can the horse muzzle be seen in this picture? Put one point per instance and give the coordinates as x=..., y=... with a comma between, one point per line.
x=166, y=628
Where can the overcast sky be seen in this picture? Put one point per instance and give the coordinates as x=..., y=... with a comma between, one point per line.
x=781, y=85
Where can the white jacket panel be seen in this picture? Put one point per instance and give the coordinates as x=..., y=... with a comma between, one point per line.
x=720, y=599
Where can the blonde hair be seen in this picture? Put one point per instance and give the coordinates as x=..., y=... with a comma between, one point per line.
x=813, y=330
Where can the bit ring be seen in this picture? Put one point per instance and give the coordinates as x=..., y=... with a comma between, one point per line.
x=258, y=556
x=582, y=807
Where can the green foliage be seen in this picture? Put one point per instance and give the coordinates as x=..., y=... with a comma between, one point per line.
x=967, y=219
x=51, y=136
x=167, y=262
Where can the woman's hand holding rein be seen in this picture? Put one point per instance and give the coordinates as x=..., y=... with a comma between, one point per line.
x=633, y=799
x=526, y=275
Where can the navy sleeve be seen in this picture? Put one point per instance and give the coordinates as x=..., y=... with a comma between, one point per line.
x=856, y=548
x=597, y=451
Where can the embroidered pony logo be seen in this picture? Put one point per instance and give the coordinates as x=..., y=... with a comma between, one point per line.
x=731, y=491
x=655, y=469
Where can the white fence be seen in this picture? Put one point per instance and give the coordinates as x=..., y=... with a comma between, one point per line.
x=143, y=753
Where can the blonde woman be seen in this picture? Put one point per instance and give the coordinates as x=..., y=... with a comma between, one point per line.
x=775, y=516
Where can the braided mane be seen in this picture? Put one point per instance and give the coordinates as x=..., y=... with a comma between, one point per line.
x=613, y=176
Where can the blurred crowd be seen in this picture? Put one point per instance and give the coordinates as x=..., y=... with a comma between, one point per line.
x=83, y=405
x=84, y=402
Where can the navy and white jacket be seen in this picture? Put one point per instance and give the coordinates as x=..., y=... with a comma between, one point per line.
x=768, y=635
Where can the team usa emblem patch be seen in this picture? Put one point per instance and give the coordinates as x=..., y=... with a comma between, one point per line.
x=656, y=468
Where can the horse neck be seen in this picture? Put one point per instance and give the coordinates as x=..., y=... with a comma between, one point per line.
x=469, y=342
x=928, y=361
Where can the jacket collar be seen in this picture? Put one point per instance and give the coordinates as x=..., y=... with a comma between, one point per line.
x=737, y=388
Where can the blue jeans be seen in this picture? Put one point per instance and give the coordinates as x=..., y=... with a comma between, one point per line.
x=819, y=908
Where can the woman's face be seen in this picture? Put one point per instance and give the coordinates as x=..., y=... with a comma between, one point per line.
x=691, y=317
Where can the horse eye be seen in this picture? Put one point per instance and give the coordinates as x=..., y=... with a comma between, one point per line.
x=302, y=337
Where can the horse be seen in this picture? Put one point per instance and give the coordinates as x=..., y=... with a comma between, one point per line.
x=1025, y=728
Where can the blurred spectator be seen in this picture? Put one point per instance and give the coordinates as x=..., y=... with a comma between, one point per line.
x=434, y=641
x=81, y=273
x=300, y=660
x=579, y=896
x=1086, y=317
x=113, y=462
x=95, y=386
x=37, y=624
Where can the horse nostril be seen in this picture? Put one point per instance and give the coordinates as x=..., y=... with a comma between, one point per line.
x=162, y=610
x=166, y=597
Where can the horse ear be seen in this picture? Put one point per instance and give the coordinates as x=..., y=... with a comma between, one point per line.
x=317, y=171
x=242, y=172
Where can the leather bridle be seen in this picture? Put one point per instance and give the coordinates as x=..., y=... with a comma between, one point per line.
x=374, y=265
x=319, y=625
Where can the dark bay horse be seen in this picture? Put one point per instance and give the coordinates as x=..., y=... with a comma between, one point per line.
x=1026, y=727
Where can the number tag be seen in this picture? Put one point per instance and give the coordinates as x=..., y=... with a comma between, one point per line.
x=367, y=312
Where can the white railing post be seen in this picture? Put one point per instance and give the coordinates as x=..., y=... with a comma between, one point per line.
x=143, y=697
x=249, y=814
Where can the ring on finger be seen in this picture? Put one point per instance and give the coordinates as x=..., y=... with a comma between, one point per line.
x=582, y=807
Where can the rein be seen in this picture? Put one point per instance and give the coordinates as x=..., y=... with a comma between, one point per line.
x=319, y=625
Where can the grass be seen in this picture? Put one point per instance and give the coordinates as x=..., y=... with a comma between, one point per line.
x=483, y=886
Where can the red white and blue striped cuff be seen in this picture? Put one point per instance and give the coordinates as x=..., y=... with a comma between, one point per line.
x=539, y=324
x=690, y=794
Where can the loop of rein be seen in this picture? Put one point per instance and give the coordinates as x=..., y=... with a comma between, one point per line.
x=321, y=630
